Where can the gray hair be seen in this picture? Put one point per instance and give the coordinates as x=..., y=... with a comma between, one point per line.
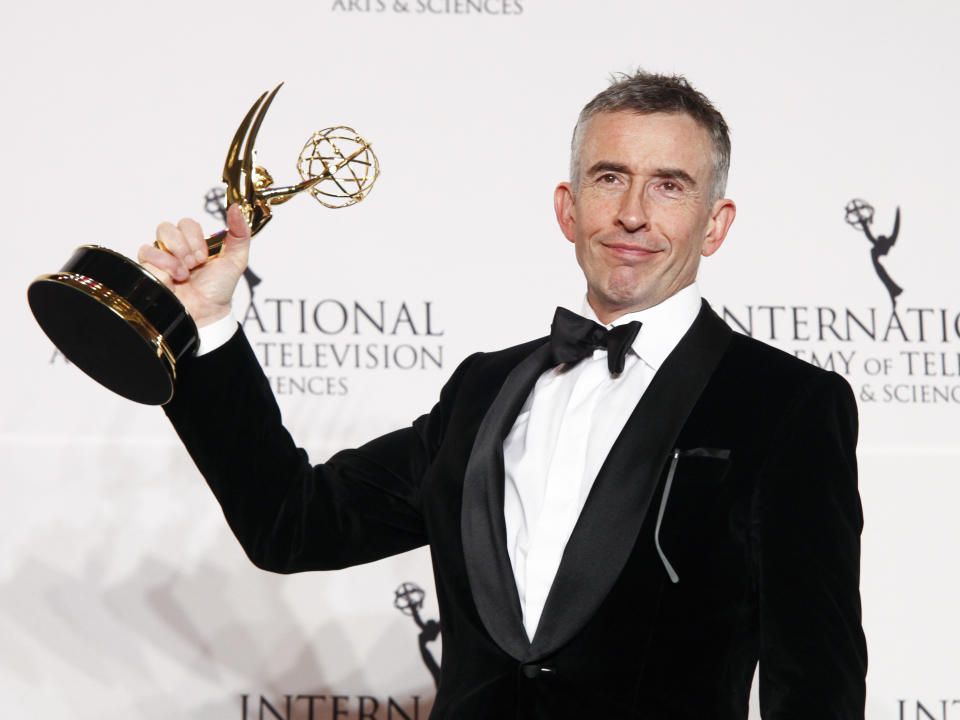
x=645, y=93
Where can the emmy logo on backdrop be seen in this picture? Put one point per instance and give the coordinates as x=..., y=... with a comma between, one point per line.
x=408, y=599
x=122, y=326
x=859, y=214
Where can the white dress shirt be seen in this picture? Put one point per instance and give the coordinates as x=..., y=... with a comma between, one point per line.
x=216, y=334
x=560, y=439
x=562, y=436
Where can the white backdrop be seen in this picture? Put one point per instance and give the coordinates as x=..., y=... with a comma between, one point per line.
x=122, y=592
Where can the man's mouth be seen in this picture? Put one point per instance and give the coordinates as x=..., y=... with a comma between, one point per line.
x=629, y=250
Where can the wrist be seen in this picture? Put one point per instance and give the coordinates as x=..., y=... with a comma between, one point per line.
x=211, y=315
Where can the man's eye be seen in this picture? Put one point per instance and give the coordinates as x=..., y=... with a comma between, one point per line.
x=670, y=186
x=608, y=179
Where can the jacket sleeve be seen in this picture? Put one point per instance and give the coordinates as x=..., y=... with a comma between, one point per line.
x=813, y=655
x=289, y=516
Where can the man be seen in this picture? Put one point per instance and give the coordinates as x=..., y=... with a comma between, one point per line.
x=621, y=522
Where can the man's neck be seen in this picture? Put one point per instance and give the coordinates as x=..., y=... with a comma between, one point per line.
x=607, y=314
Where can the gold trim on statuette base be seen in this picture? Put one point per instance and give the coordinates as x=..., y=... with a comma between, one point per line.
x=123, y=309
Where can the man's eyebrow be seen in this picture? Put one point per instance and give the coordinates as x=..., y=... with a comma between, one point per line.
x=607, y=166
x=675, y=174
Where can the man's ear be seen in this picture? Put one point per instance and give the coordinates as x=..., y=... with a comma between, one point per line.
x=721, y=218
x=563, y=203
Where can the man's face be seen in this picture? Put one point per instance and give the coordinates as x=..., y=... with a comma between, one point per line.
x=640, y=219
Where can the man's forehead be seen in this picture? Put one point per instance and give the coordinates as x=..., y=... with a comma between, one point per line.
x=628, y=136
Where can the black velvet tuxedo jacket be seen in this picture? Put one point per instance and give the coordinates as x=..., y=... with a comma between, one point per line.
x=759, y=518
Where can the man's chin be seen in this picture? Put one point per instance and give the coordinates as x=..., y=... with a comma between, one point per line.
x=628, y=292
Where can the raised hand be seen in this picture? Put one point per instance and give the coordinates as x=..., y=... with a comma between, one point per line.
x=180, y=260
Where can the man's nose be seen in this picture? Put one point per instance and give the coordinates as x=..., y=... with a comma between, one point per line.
x=632, y=215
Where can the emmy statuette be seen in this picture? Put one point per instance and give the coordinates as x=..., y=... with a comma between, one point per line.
x=121, y=326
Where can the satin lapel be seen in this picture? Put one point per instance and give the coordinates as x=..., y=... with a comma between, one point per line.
x=609, y=524
x=482, y=524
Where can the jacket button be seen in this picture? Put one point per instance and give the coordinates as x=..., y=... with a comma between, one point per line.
x=532, y=670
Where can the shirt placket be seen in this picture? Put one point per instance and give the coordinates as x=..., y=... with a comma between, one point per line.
x=563, y=489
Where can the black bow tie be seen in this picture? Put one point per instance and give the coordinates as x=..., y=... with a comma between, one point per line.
x=573, y=338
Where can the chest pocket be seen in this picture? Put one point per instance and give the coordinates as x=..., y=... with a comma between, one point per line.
x=690, y=504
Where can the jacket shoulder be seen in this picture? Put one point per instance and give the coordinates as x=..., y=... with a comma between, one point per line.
x=499, y=362
x=767, y=364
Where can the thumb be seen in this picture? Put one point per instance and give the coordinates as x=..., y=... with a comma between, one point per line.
x=237, y=241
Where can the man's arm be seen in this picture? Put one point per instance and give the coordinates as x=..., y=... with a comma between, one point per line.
x=813, y=655
x=289, y=516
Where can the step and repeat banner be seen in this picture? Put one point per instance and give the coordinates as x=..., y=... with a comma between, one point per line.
x=122, y=591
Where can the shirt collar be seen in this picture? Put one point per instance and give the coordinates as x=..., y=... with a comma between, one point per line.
x=663, y=324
